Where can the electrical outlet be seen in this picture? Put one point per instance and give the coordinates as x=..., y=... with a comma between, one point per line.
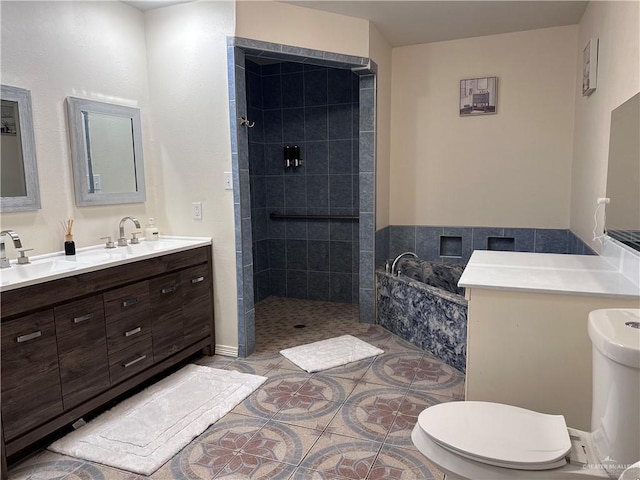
x=196, y=208
x=228, y=181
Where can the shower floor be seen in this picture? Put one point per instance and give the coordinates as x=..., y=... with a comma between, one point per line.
x=350, y=422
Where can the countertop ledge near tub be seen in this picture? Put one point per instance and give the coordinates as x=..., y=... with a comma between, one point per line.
x=546, y=273
x=56, y=265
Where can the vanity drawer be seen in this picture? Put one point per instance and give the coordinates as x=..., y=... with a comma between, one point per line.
x=131, y=360
x=196, y=303
x=127, y=331
x=166, y=309
x=125, y=302
x=82, y=349
x=31, y=392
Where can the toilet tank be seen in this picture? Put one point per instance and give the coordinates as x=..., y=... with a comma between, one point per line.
x=615, y=417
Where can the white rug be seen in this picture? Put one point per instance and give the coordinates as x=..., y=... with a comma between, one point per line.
x=325, y=354
x=145, y=431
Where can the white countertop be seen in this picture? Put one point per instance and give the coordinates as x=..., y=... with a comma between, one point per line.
x=546, y=273
x=53, y=266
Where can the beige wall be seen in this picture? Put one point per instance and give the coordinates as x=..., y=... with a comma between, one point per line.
x=276, y=22
x=511, y=169
x=616, y=25
x=93, y=50
x=380, y=52
x=190, y=137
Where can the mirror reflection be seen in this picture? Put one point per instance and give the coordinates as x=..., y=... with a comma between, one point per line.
x=623, y=174
x=19, y=189
x=12, y=180
x=106, y=150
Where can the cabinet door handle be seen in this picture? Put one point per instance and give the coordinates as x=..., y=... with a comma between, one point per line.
x=169, y=289
x=197, y=280
x=133, y=362
x=129, y=303
x=28, y=336
x=133, y=332
x=83, y=318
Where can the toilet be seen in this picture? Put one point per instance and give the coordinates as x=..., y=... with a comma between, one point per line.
x=491, y=441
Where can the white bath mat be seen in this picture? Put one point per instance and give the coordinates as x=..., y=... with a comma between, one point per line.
x=143, y=432
x=317, y=356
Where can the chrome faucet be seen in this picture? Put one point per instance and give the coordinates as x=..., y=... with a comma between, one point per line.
x=122, y=242
x=4, y=261
x=393, y=265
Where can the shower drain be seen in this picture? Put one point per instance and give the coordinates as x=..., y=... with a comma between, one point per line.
x=300, y=325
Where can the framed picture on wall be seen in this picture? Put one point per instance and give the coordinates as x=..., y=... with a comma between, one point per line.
x=478, y=96
x=590, y=67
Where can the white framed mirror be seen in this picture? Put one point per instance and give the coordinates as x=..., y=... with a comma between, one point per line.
x=19, y=187
x=106, y=153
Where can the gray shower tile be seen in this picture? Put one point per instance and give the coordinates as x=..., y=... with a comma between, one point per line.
x=340, y=287
x=466, y=233
x=319, y=286
x=367, y=110
x=366, y=269
x=276, y=228
x=258, y=191
x=367, y=192
x=340, y=231
x=248, y=288
x=256, y=159
x=274, y=159
x=340, y=157
x=317, y=157
x=315, y=123
x=315, y=87
x=481, y=234
x=293, y=125
x=401, y=239
x=317, y=191
x=382, y=246
x=367, y=308
x=272, y=126
x=340, y=118
x=339, y=86
x=292, y=88
x=340, y=191
x=275, y=192
x=297, y=284
x=551, y=241
x=367, y=150
x=278, y=280
x=318, y=230
x=428, y=243
x=296, y=254
x=296, y=229
x=295, y=192
x=318, y=256
x=340, y=257
x=277, y=253
x=272, y=90
x=524, y=238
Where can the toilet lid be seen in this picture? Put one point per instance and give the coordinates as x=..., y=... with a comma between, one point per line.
x=497, y=434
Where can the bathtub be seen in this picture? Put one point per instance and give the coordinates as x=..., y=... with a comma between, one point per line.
x=425, y=306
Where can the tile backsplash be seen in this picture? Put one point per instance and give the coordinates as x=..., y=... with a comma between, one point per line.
x=455, y=244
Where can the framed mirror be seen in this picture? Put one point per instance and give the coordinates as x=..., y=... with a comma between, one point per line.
x=106, y=153
x=623, y=174
x=19, y=187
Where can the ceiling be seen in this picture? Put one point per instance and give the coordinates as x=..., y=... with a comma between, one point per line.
x=418, y=21
x=413, y=22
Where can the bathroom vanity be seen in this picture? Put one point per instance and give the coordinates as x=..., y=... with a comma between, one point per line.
x=79, y=332
x=527, y=341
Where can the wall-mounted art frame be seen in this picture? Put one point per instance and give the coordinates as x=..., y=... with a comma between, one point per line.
x=478, y=96
x=590, y=67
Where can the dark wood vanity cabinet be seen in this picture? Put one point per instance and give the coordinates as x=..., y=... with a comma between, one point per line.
x=71, y=345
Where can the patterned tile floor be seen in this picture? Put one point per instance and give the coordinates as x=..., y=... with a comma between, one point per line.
x=350, y=422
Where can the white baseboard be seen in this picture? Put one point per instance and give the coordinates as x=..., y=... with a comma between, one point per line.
x=226, y=350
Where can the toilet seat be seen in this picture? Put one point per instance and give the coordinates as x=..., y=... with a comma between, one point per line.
x=500, y=435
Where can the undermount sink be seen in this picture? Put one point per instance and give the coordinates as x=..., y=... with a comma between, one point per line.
x=57, y=265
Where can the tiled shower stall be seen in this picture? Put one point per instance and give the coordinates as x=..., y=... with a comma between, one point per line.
x=313, y=109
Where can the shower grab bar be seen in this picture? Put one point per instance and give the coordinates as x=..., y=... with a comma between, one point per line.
x=284, y=216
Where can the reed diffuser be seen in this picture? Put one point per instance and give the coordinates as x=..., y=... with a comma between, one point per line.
x=69, y=244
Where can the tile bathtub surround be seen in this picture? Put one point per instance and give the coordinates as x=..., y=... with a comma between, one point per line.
x=350, y=422
x=315, y=108
x=455, y=244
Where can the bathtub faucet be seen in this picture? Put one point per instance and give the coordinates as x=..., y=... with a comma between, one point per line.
x=393, y=265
